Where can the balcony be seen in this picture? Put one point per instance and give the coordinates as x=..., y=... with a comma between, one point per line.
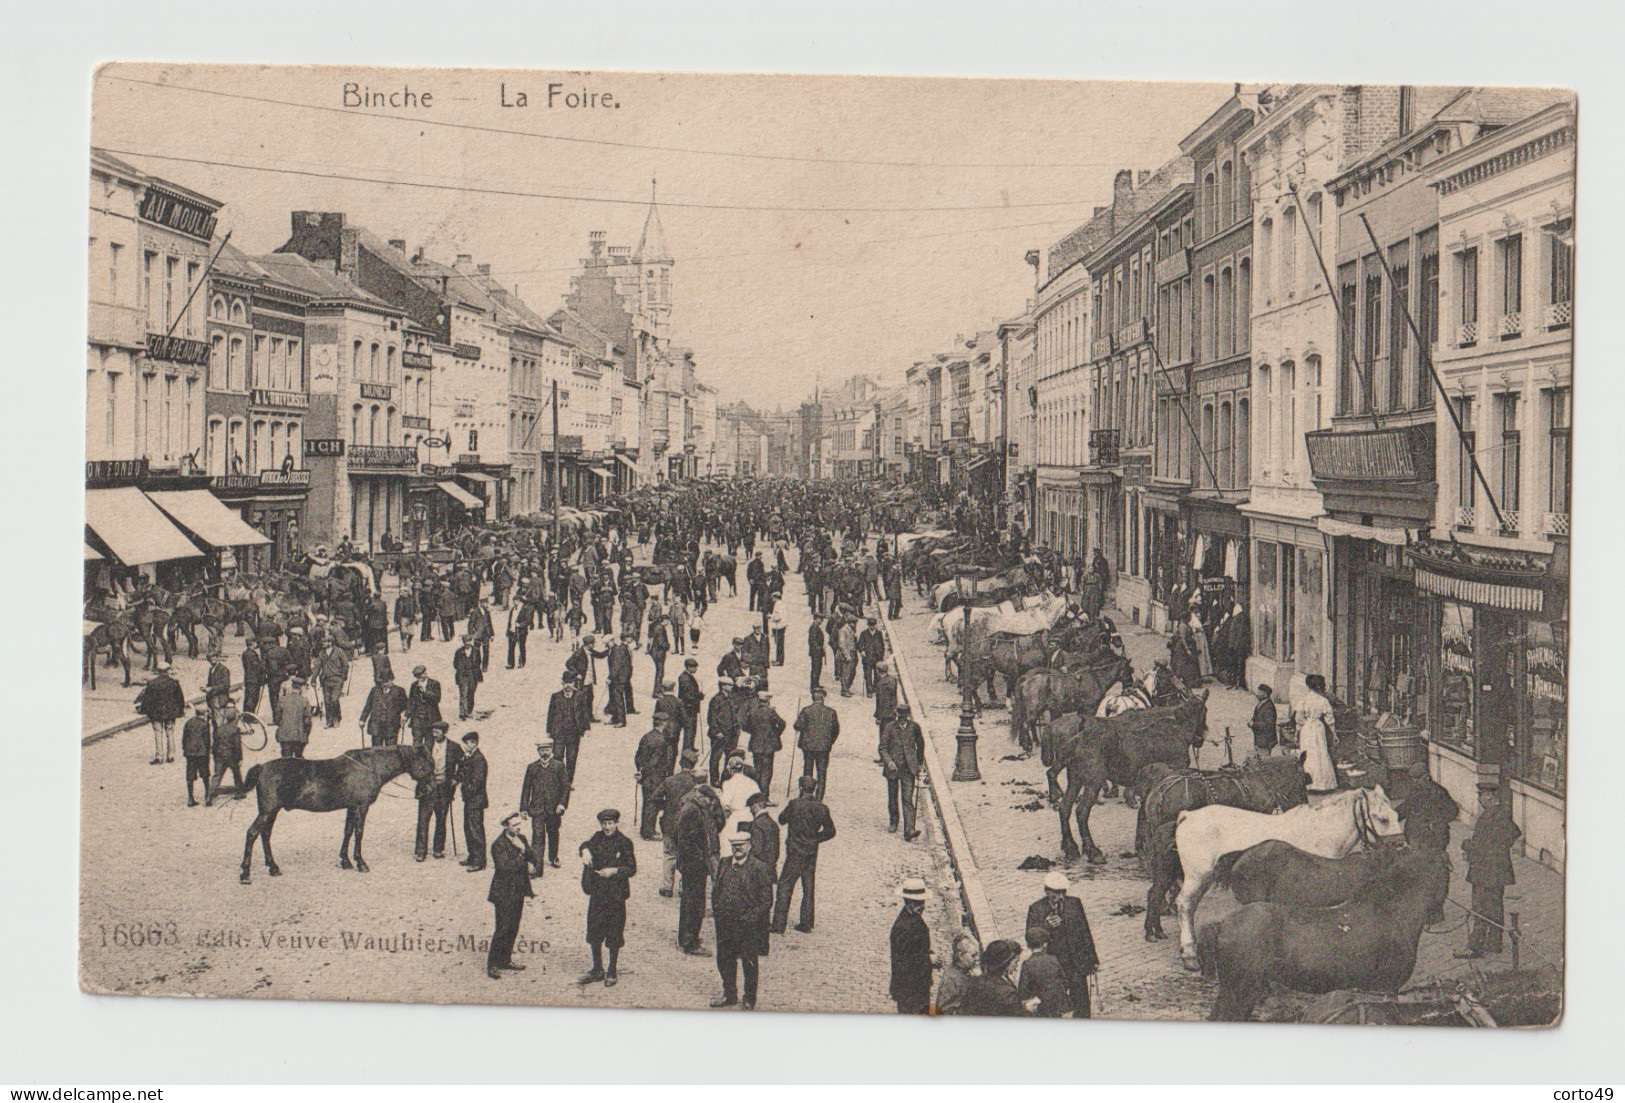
x=1559, y=315
x=1403, y=454
x=1555, y=524
x=1104, y=447
x=383, y=457
x=1511, y=325
x=1467, y=334
x=117, y=325
x=1511, y=522
x=1466, y=518
x=1174, y=266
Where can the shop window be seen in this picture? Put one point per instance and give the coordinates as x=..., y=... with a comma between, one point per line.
x=1289, y=608
x=1542, y=738
x=1454, y=725
x=1268, y=600
x=1311, y=585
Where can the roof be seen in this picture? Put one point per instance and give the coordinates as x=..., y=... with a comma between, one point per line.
x=318, y=282
x=652, y=245
x=100, y=158
x=233, y=263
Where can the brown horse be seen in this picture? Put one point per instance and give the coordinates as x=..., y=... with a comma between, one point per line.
x=1368, y=943
x=1094, y=751
x=1058, y=692
x=113, y=636
x=351, y=782
x=1276, y=872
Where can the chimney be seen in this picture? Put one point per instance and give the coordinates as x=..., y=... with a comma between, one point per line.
x=484, y=269
x=595, y=243
x=417, y=257
x=1122, y=186
x=464, y=260
x=1145, y=174
x=398, y=244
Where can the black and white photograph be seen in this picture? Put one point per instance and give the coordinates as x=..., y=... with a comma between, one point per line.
x=851, y=544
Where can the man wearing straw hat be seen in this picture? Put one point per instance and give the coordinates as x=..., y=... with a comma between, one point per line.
x=1067, y=936
x=911, y=952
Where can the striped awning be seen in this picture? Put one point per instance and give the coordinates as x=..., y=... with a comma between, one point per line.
x=1492, y=595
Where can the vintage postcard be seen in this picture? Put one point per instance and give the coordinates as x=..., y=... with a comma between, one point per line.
x=916, y=546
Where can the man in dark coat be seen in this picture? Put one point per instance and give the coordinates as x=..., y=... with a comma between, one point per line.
x=566, y=725
x=872, y=651
x=217, y=684
x=894, y=590
x=383, y=712
x=766, y=728
x=650, y=767
x=668, y=799
x=1266, y=733
x=1061, y=915
x=608, y=864
x=698, y=820
x=1041, y=980
x=423, y=705
x=994, y=993
x=902, y=758
x=911, y=952
x=279, y=668
x=332, y=671
x=620, y=681
x=296, y=716
x=228, y=754
x=253, y=675
x=764, y=833
x=511, y=855
x=690, y=696
x=742, y=905
x=722, y=727
x=732, y=665
x=818, y=727
x=885, y=700
x=162, y=703
x=406, y=614
x=472, y=778
x=195, y=748
x=543, y=797
x=807, y=826
x=465, y=665
x=1489, y=869
x=756, y=575
x=434, y=792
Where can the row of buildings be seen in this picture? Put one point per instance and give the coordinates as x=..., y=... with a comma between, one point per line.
x=1318, y=364
x=347, y=386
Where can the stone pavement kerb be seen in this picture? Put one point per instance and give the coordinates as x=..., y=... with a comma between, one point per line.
x=978, y=911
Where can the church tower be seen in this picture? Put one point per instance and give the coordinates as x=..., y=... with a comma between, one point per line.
x=654, y=264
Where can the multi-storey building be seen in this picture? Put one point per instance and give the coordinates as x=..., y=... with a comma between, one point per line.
x=1015, y=337
x=1221, y=372
x=1495, y=577
x=890, y=459
x=1173, y=431
x=1062, y=334
x=1122, y=380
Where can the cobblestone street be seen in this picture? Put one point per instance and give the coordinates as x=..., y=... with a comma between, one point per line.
x=152, y=864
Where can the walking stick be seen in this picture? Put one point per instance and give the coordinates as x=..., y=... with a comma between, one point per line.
x=789, y=778
x=451, y=822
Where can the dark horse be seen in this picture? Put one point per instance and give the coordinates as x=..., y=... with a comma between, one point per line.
x=350, y=782
x=1058, y=692
x=1276, y=872
x=1368, y=943
x=1094, y=751
x=1271, y=784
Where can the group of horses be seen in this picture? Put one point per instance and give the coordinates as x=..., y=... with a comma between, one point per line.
x=1329, y=899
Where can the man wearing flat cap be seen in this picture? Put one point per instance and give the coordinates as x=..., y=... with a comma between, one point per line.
x=296, y=715
x=722, y=727
x=422, y=705
x=742, y=905
x=668, y=800
x=766, y=729
x=510, y=888
x=690, y=696
x=1067, y=936
x=817, y=728
x=650, y=766
x=911, y=952
x=228, y=754
x=608, y=865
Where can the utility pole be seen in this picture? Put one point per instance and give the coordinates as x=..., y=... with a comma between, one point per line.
x=555, y=465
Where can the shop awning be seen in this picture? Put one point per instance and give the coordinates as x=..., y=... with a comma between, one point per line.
x=1333, y=527
x=1494, y=595
x=477, y=476
x=461, y=496
x=92, y=553
x=978, y=461
x=201, y=513
x=628, y=462
x=601, y=472
x=133, y=528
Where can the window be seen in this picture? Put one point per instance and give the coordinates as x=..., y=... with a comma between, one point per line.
x=236, y=378
x=1557, y=498
x=389, y=364
x=1244, y=304
x=147, y=301
x=1287, y=384
x=1209, y=198
x=237, y=315
x=1243, y=450
x=1227, y=194
x=1264, y=437
x=1560, y=272
x=1266, y=576
x=1466, y=484
x=1509, y=270
x=1289, y=252
x=1511, y=459
x=1206, y=475
x=1266, y=250
x=355, y=361
x=1371, y=343
x=114, y=251
x=1399, y=264
x=1311, y=226
x=191, y=282
x=1289, y=611
x=214, y=460
x=372, y=363
x=217, y=363
x=259, y=368
x=1210, y=319
x=170, y=267
x=1224, y=444
x=1347, y=306
x=169, y=416
x=1467, y=293
x=355, y=425
x=1227, y=311
x=1427, y=314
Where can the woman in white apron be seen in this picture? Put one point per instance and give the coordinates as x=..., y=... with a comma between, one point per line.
x=1315, y=723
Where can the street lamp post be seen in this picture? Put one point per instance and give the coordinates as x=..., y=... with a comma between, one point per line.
x=965, y=768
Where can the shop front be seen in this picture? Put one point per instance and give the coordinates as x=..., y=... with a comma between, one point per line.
x=1166, y=540
x=1062, y=504
x=1498, y=704
x=273, y=504
x=1217, y=559
x=488, y=482
x=1290, y=615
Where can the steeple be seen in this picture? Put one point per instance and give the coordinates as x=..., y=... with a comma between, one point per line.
x=652, y=245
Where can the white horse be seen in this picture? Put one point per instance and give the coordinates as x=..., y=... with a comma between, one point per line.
x=1331, y=829
x=1122, y=698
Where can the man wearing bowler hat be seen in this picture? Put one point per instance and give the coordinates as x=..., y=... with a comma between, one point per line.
x=742, y=903
x=608, y=865
x=543, y=797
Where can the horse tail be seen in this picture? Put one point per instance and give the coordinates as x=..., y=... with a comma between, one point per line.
x=1207, y=949
x=251, y=780
x=1224, y=869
